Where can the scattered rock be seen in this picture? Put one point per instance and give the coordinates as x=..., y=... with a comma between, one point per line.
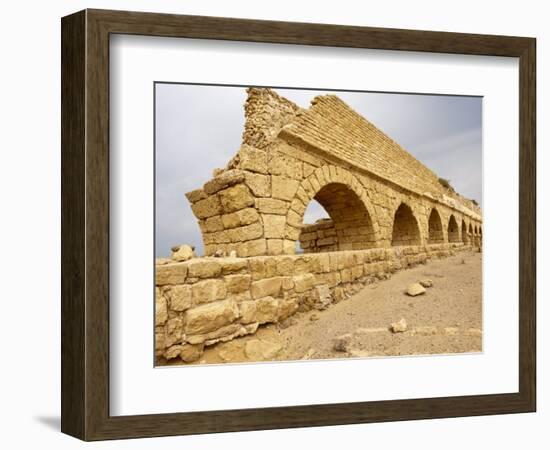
x=342, y=343
x=190, y=353
x=233, y=254
x=231, y=351
x=323, y=297
x=399, y=327
x=183, y=253
x=257, y=350
x=162, y=261
x=415, y=289
x=427, y=283
x=314, y=317
x=219, y=253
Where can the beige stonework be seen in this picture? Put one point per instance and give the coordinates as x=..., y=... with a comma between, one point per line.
x=387, y=212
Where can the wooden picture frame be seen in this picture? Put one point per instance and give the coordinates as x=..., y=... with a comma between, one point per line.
x=85, y=224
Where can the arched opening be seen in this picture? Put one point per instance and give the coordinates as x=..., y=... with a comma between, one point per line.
x=465, y=237
x=452, y=230
x=405, y=227
x=435, y=228
x=347, y=227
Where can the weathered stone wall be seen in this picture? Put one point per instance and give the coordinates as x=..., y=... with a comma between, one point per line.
x=319, y=237
x=376, y=194
x=386, y=209
x=207, y=300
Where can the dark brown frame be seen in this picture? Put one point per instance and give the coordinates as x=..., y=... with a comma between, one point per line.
x=85, y=224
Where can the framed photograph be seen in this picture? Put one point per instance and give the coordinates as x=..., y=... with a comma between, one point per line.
x=273, y=225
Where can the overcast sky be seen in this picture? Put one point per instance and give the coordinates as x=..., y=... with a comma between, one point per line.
x=199, y=128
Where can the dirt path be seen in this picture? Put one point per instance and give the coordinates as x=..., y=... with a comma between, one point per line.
x=446, y=319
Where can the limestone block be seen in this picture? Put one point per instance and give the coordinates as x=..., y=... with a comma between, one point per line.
x=266, y=287
x=235, y=198
x=294, y=219
x=303, y=283
x=263, y=267
x=182, y=253
x=223, y=180
x=272, y=206
x=207, y=207
x=415, y=289
x=245, y=233
x=322, y=296
x=171, y=274
x=213, y=224
x=160, y=340
x=285, y=265
x=205, y=318
x=262, y=310
x=285, y=165
x=257, y=350
x=172, y=352
x=274, y=246
x=190, y=353
x=208, y=291
x=252, y=159
x=220, y=334
x=204, y=268
x=287, y=307
x=274, y=226
x=242, y=217
x=259, y=184
x=233, y=265
x=292, y=233
x=306, y=264
x=256, y=247
x=179, y=297
x=237, y=283
x=196, y=195
x=307, y=169
x=283, y=188
x=161, y=310
x=289, y=247
x=174, y=329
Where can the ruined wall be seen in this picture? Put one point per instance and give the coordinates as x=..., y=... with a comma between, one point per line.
x=319, y=237
x=386, y=211
x=207, y=300
x=376, y=194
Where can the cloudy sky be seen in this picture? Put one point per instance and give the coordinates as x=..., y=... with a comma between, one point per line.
x=199, y=128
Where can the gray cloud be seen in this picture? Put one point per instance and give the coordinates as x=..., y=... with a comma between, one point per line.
x=199, y=128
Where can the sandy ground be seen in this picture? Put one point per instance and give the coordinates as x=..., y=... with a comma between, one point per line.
x=446, y=319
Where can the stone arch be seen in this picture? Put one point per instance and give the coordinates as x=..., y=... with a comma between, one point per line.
x=351, y=225
x=464, y=233
x=453, y=233
x=435, y=228
x=405, y=230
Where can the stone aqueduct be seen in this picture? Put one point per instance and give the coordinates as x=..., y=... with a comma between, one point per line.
x=387, y=211
x=376, y=193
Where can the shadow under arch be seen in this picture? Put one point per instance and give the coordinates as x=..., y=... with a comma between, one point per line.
x=405, y=230
x=452, y=230
x=435, y=228
x=464, y=230
x=351, y=226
